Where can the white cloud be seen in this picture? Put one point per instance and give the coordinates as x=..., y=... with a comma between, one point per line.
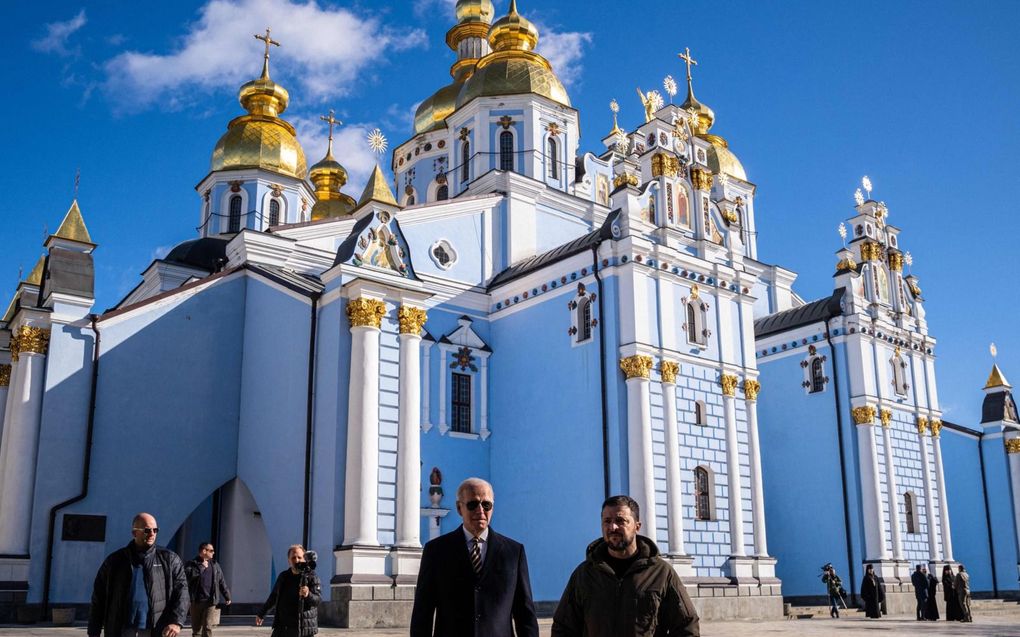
x=323, y=52
x=58, y=34
x=565, y=51
x=160, y=251
x=446, y=9
x=350, y=148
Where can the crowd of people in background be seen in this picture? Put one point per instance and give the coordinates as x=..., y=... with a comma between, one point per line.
x=955, y=591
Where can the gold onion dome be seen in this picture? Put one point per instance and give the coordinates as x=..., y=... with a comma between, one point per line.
x=473, y=18
x=328, y=177
x=513, y=67
x=720, y=158
x=261, y=139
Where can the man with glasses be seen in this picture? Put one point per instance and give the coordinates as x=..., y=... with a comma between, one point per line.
x=473, y=581
x=208, y=591
x=141, y=589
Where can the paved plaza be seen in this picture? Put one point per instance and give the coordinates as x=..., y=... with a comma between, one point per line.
x=988, y=626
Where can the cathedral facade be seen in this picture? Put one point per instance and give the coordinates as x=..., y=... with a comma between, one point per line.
x=322, y=369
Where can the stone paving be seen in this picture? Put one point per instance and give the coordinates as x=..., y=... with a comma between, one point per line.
x=988, y=626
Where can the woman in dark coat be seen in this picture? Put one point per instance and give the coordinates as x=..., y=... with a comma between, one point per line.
x=931, y=609
x=949, y=594
x=871, y=593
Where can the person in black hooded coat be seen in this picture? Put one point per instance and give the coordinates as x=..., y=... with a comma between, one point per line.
x=871, y=593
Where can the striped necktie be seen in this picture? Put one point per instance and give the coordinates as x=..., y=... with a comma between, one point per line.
x=476, y=555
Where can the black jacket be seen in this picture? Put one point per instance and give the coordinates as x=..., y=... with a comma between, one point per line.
x=308, y=613
x=492, y=604
x=165, y=584
x=220, y=592
x=648, y=601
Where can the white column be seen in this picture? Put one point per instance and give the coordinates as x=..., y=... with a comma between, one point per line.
x=892, y=490
x=361, y=485
x=409, y=428
x=929, y=496
x=736, y=501
x=674, y=485
x=940, y=487
x=871, y=495
x=1013, y=453
x=751, y=389
x=426, y=424
x=639, y=440
x=5, y=382
x=21, y=441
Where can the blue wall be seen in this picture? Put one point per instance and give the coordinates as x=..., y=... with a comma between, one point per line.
x=967, y=519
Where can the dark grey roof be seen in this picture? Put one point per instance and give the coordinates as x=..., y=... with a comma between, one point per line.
x=306, y=284
x=998, y=406
x=564, y=251
x=813, y=312
x=207, y=253
x=69, y=272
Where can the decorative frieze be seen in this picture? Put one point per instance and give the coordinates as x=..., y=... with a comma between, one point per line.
x=864, y=415
x=412, y=319
x=701, y=179
x=1012, y=445
x=729, y=384
x=751, y=389
x=29, y=339
x=886, y=417
x=5, y=375
x=636, y=366
x=364, y=312
x=922, y=425
x=668, y=371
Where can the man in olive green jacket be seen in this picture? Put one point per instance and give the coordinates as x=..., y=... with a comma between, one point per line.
x=623, y=588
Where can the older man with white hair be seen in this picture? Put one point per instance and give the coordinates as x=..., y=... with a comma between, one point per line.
x=474, y=581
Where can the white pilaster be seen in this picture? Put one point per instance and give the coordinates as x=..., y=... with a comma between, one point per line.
x=940, y=487
x=674, y=485
x=871, y=496
x=20, y=442
x=1014, y=480
x=757, y=488
x=892, y=492
x=361, y=486
x=639, y=441
x=929, y=496
x=426, y=413
x=409, y=441
x=736, y=507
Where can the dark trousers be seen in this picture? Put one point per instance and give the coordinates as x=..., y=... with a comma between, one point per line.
x=920, y=608
x=204, y=615
x=286, y=631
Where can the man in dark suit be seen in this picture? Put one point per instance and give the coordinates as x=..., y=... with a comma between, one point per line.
x=473, y=581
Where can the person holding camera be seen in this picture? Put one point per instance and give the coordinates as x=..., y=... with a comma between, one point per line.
x=834, y=587
x=296, y=595
x=208, y=590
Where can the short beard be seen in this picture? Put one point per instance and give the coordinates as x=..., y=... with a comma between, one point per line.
x=621, y=545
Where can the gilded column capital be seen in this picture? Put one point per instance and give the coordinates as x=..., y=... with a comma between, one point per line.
x=886, y=416
x=1012, y=445
x=895, y=261
x=29, y=339
x=636, y=366
x=871, y=251
x=665, y=165
x=922, y=425
x=5, y=375
x=412, y=319
x=701, y=179
x=668, y=370
x=936, y=427
x=364, y=312
x=729, y=384
x=751, y=389
x=625, y=179
x=864, y=415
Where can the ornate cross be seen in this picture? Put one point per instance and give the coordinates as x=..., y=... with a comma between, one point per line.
x=686, y=57
x=268, y=40
x=329, y=119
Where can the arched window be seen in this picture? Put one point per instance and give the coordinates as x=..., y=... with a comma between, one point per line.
x=506, y=150
x=554, y=165
x=699, y=413
x=234, y=224
x=274, y=212
x=651, y=209
x=817, y=376
x=692, y=324
x=583, y=319
x=702, y=494
x=465, y=161
x=910, y=517
x=442, y=193
x=409, y=201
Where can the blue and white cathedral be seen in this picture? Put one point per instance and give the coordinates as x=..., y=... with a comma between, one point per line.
x=568, y=325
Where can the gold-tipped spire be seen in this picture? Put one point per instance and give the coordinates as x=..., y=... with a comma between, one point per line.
x=73, y=227
x=996, y=379
x=35, y=276
x=328, y=177
x=265, y=58
x=703, y=115
x=377, y=189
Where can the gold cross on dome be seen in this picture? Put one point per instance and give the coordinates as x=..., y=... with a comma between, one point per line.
x=329, y=119
x=690, y=61
x=268, y=40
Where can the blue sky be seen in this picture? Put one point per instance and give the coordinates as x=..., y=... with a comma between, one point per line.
x=920, y=96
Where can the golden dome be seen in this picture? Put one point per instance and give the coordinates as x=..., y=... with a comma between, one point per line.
x=706, y=116
x=432, y=113
x=474, y=11
x=261, y=139
x=328, y=177
x=513, y=67
x=721, y=159
x=342, y=206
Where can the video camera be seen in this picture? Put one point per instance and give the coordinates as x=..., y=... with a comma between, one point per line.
x=309, y=564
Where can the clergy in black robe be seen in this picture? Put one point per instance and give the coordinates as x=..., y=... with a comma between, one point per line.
x=931, y=610
x=871, y=593
x=949, y=594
